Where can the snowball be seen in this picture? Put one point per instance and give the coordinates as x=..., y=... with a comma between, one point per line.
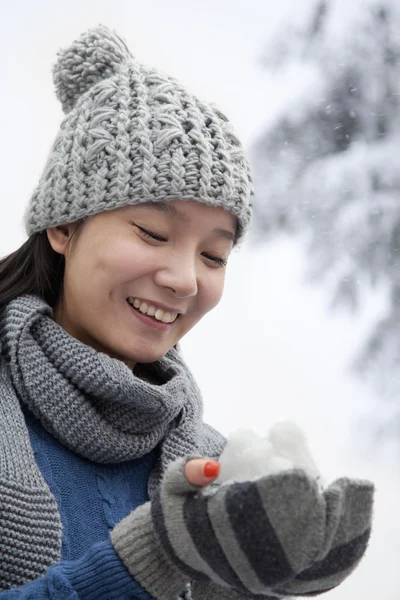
x=244, y=456
x=248, y=456
x=290, y=442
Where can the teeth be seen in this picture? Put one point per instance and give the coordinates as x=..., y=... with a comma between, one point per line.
x=152, y=311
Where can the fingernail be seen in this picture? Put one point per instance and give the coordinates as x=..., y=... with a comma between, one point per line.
x=211, y=469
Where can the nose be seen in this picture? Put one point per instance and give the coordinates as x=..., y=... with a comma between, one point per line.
x=180, y=276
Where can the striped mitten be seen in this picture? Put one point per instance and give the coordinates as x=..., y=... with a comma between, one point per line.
x=347, y=531
x=257, y=538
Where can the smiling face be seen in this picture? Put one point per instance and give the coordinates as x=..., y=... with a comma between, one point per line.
x=168, y=255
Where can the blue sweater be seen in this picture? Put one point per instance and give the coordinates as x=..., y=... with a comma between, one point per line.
x=91, y=499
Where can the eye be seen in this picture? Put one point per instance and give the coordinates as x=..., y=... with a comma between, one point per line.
x=222, y=262
x=148, y=234
x=145, y=233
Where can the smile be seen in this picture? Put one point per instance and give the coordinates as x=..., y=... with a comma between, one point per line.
x=152, y=311
x=149, y=320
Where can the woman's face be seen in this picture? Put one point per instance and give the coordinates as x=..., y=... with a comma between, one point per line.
x=167, y=255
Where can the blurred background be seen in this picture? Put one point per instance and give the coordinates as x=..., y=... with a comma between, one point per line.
x=309, y=325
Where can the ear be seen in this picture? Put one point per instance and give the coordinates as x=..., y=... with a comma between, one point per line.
x=59, y=237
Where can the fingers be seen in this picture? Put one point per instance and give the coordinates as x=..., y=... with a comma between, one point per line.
x=349, y=505
x=333, y=497
x=201, y=471
x=295, y=510
x=187, y=475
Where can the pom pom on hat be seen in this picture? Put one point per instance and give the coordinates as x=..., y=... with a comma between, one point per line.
x=96, y=55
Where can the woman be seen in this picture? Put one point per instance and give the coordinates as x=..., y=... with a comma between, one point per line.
x=103, y=450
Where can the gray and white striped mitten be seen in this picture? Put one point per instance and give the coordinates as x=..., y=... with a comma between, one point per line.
x=272, y=537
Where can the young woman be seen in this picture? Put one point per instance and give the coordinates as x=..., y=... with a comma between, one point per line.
x=104, y=458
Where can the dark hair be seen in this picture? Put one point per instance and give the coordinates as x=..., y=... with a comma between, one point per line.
x=35, y=268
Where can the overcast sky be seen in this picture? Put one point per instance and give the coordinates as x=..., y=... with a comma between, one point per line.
x=271, y=349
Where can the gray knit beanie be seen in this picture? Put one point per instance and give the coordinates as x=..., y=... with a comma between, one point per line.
x=131, y=135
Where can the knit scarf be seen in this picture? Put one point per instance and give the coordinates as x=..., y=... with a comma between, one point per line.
x=94, y=405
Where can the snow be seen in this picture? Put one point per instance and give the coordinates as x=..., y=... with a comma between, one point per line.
x=301, y=64
x=249, y=456
x=326, y=164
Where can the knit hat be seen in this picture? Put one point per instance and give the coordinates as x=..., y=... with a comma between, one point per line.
x=131, y=135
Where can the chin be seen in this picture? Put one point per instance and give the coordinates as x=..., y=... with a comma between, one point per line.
x=145, y=357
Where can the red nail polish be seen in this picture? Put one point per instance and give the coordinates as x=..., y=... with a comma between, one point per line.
x=212, y=469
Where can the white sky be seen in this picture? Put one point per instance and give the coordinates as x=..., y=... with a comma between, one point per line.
x=271, y=349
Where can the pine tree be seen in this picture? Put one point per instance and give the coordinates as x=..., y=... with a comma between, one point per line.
x=327, y=166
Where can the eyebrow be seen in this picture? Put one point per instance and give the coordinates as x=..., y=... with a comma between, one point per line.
x=172, y=211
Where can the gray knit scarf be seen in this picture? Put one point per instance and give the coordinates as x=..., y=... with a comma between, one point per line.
x=93, y=404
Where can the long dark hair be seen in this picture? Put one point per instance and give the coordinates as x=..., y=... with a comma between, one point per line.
x=35, y=268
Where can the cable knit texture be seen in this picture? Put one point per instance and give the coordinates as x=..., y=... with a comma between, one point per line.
x=92, y=404
x=133, y=134
x=98, y=495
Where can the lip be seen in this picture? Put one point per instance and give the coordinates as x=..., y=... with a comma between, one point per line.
x=149, y=320
x=164, y=307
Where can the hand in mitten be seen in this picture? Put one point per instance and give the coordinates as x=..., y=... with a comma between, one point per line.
x=347, y=531
x=251, y=537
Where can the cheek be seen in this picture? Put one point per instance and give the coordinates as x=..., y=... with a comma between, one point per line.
x=91, y=272
x=113, y=264
x=212, y=293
